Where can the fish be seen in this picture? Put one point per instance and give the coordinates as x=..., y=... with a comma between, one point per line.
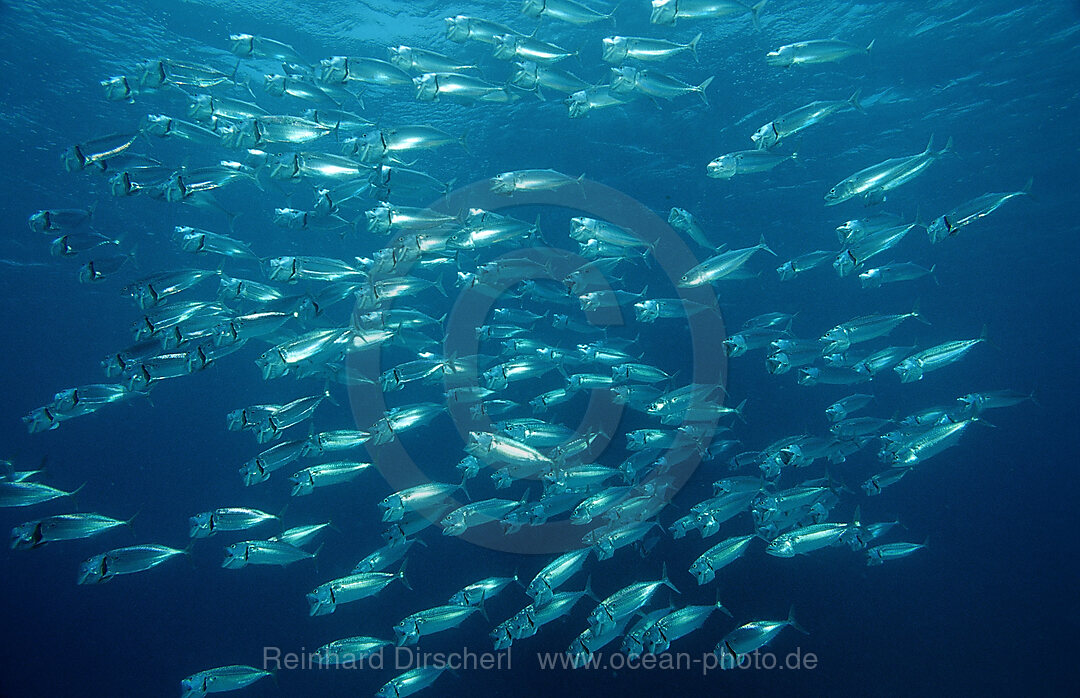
x=894, y=273
x=858, y=253
x=325, y=598
x=677, y=624
x=23, y=494
x=299, y=536
x=771, y=134
x=617, y=49
x=914, y=367
x=585, y=101
x=167, y=127
x=219, y=680
x=98, y=151
x=251, y=46
x=949, y=224
x=342, y=69
x=163, y=72
x=420, y=60
x=416, y=498
x=704, y=568
x=136, y=558
x=626, y=601
x=863, y=329
x=746, y=162
x=209, y=523
x=509, y=47
x=840, y=409
x=880, y=554
x=429, y=621
x=410, y=682
x=263, y=552
x=804, y=262
x=118, y=89
x=682, y=220
x=477, y=593
x=50, y=220
x=720, y=266
x=531, y=180
x=807, y=539
x=995, y=399
x=556, y=573
x=748, y=638
x=349, y=651
x=925, y=444
x=567, y=11
x=879, y=481
x=531, y=75
x=886, y=175
x=463, y=28
x=814, y=52
x=667, y=12
x=73, y=244
x=196, y=241
x=34, y=534
x=651, y=83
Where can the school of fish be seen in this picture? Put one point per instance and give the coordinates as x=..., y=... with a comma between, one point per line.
x=315, y=320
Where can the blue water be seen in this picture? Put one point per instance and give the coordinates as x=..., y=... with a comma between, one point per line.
x=988, y=608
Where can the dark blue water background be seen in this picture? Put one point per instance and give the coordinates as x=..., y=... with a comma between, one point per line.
x=989, y=608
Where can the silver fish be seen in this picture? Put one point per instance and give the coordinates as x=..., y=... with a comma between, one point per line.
x=616, y=49
x=815, y=51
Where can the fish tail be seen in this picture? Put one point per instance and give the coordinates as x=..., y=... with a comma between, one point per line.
x=948, y=149
x=667, y=582
x=401, y=574
x=755, y=13
x=853, y=100
x=611, y=15
x=739, y=410
x=693, y=46
x=75, y=492
x=721, y=606
x=794, y=623
x=132, y=518
x=766, y=247
x=870, y=47
x=588, y=591
x=328, y=396
x=915, y=312
x=700, y=89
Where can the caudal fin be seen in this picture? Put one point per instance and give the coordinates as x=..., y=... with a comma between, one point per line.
x=667, y=582
x=794, y=623
x=853, y=100
x=693, y=46
x=948, y=149
x=755, y=13
x=700, y=89
x=739, y=411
